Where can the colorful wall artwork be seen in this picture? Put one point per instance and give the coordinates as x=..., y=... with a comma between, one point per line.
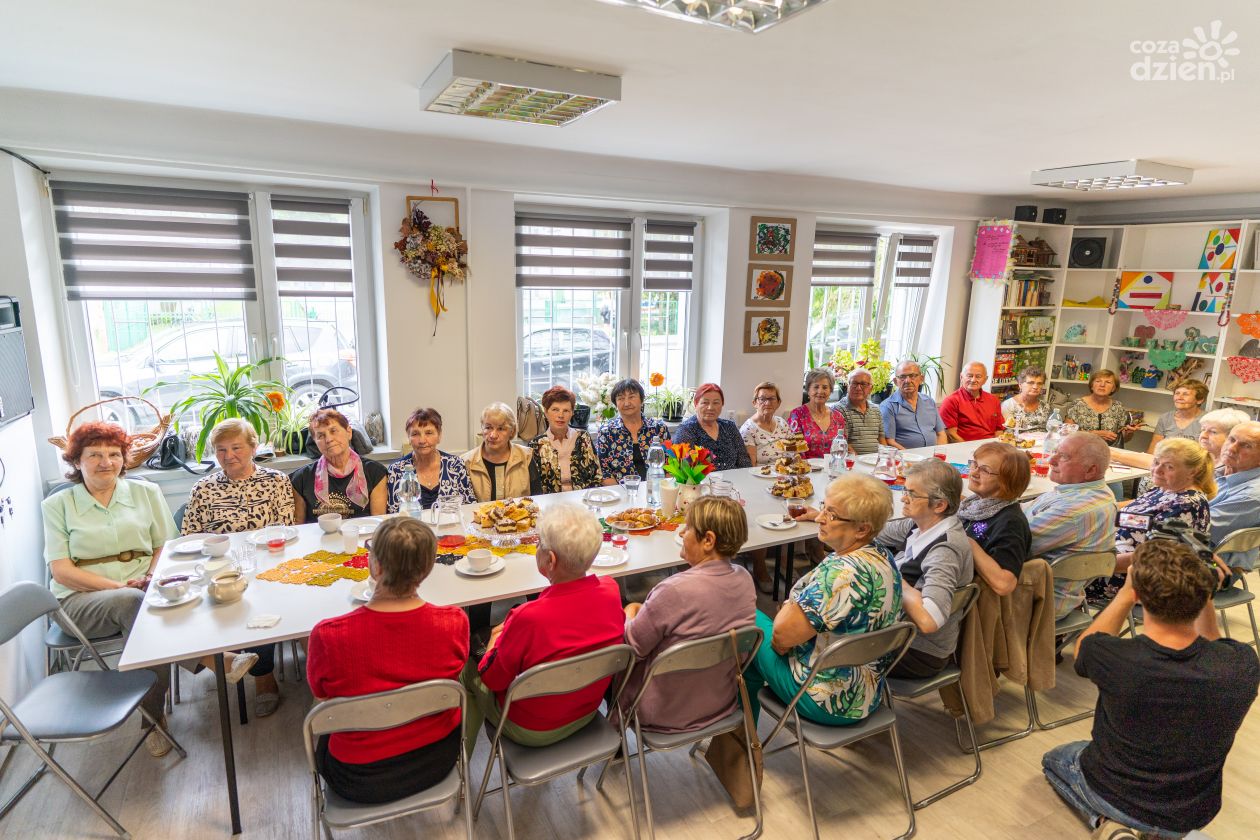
x=992, y=258
x=772, y=239
x=1220, y=250
x=1211, y=293
x=1144, y=289
x=769, y=285
x=765, y=333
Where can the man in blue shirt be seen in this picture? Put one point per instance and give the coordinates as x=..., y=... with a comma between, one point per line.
x=1237, y=502
x=910, y=418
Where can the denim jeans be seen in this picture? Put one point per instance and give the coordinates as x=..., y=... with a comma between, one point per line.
x=1062, y=766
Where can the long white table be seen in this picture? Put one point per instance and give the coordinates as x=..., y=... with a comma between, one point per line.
x=171, y=634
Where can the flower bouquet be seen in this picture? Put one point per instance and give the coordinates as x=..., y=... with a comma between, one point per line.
x=688, y=464
x=870, y=357
x=593, y=391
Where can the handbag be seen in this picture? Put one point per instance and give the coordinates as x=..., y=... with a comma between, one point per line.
x=359, y=440
x=172, y=454
x=728, y=753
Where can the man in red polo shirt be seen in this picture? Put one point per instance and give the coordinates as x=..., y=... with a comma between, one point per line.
x=577, y=614
x=971, y=413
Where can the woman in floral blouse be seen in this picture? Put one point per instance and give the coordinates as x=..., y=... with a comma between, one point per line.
x=855, y=589
x=1028, y=407
x=439, y=473
x=623, y=442
x=818, y=423
x=1098, y=413
x=564, y=457
x=764, y=427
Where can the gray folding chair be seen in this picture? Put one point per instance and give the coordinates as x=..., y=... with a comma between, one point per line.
x=598, y=741
x=1246, y=539
x=373, y=712
x=697, y=655
x=66, y=654
x=70, y=706
x=964, y=600
x=849, y=652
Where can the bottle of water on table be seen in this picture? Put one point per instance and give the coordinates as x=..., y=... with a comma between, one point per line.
x=656, y=471
x=835, y=459
x=1054, y=427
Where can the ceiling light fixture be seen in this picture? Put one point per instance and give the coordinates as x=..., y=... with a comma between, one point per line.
x=512, y=89
x=742, y=15
x=1116, y=175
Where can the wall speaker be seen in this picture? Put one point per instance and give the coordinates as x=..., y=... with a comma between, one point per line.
x=1087, y=252
x=1054, y=215
x=15, y=376
x=1026, y=213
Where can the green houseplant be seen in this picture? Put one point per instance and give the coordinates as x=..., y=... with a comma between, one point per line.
x=229, y=392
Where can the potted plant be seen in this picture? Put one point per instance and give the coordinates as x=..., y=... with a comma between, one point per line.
x=291, y=422
x=689, y=465
x=669, y=404
x=870, y=357
x=231, y=392
x=593, y=392
x=933, y=371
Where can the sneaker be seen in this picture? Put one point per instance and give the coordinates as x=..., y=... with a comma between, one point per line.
x=1112, y=830
x=155, y=742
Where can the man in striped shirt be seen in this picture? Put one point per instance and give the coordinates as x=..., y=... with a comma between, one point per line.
x=863, y=424
x=1078, y=515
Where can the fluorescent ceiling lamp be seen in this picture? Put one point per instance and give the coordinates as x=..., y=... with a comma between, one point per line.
x=498, y=88
x=743, y=15
x=1117, y=175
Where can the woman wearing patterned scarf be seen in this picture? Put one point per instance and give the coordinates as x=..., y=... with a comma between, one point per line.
x=998, y=475
x=340, y=481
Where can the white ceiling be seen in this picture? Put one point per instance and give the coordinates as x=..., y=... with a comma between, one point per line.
x=966, y=95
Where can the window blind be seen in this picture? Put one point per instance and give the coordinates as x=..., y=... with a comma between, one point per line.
x=913, y=266
x=562, y=252
x=843, y=259
x=149, y=243
x=312, y=246
x=668, y=254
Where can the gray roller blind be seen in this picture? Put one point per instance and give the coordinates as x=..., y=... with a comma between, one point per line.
x=842, y=258
x=668, y=252
x=312, y=243
x=149, y=243
x=561, y=252
x=913, y=267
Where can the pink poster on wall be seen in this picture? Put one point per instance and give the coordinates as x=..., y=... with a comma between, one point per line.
x=993, y=251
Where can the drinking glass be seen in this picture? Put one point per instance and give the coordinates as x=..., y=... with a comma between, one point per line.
x=630, y=485
x=247, y=557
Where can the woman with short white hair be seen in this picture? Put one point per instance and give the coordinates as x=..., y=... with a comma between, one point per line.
x=498, y=468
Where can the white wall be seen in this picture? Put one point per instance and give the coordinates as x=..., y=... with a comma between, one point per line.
x=21, y=551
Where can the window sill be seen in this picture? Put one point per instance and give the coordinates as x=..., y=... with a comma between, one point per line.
x=286, y=464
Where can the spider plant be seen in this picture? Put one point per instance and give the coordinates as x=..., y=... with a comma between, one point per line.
x=228, y=392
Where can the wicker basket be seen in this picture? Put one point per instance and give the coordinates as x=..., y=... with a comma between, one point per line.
x=143, y=444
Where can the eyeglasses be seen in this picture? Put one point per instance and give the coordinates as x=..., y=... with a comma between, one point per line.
x=488, y=428
x=829, y=515
x=368, y=544
x=904, y=376
x=765, y=399
x=917, y=496
x=974, y=467
x=859, y=384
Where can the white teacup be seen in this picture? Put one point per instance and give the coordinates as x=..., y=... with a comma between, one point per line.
x=330, y=523
x=479, y=559
x=217, y=545
x=174, y=587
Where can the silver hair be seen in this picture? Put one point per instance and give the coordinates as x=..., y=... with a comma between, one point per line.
x=500, y=413
x=572, y=534
x=1094, y=450
x=1226, y=418
x=941, y=482
x=817, y=375
x=858, y=370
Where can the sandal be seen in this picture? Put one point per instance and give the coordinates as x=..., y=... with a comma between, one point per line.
x=266, y=704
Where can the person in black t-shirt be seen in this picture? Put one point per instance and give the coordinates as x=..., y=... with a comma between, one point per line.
x=1169, y=704
x=339, y=481
x=998, y=474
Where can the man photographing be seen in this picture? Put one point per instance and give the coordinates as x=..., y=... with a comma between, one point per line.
x=1169, y=703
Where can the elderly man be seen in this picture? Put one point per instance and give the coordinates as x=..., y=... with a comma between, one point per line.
x=910, y=418
x=863, y=424
x=972, y=413
x=577, y=613
x=1237, y=502
x=1079, y=514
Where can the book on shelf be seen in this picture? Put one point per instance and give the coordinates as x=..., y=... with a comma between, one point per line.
x=1030, y=357
x=1003, y=369
x=1028, y=288
x=1036, y=329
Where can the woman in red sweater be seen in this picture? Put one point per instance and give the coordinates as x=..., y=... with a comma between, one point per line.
x=396, y=639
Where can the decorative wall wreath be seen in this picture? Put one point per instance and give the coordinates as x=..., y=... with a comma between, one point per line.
x=434, y=254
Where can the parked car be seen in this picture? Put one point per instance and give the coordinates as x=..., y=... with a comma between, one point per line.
x=559, y=355
x=315, y=359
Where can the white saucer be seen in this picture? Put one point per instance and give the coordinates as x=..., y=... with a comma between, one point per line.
x=204, y=570
x=359, y=592
x=609, y=558
x=757, y=473
x=155, y=599
x=367, y=525
x=678, y=537
x=260, y=537
x=191, y=544
x=601, y=496
x=816, y=464
x=496, y=565
x=774, y=522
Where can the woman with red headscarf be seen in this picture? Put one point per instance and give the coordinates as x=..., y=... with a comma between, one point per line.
x=709, y=429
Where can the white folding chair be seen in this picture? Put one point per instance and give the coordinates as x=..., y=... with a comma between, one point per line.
x=373, y=712
x=851, y=651
x=69, y=706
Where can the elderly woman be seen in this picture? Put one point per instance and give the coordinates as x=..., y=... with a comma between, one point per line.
x=360, y=653
x=934, y=558
x=242, y=496
x=499, y=468
x=339, y=481
x=439, y=473
x=1098, y=413
x=815, y=420
x=764, y=427
x=564, y=457
x=623, y=442
x=855, y=589
x=1183, y=421
x=997, y=475
x=709, y=429
x=710, y=596
x=1182, y=475
x=102, y=539
x=1027, y=407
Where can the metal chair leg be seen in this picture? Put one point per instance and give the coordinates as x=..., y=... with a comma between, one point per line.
x=905, y=782
x=507, y=796
x=51, y=764
x=962, y=783
x=801, y=749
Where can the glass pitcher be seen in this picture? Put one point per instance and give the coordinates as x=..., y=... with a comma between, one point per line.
x=446, y=510
x=887, y=464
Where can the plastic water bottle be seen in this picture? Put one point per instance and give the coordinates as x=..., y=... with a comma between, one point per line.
x=656, y=472
x=409, y=492
x=835, y=459
x=1054, y=425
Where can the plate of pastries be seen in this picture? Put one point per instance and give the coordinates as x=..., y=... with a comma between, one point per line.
x=792, y=487
x=634, y=519
x=507, y=516
x=791, y=443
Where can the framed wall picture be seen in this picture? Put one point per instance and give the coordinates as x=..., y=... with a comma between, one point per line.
x=769, y=285
x=765, y=332
x=772, y=238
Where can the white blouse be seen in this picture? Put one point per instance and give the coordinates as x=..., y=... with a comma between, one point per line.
x=758, y=437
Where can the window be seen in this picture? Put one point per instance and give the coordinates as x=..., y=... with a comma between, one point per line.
x=168, y=277
x=602, y=295
x=911, y=276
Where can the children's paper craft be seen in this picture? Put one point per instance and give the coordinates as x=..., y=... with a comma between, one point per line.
x=1211, y=293
x=1144, y=289
x=1220, y=250
x=993, y=250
